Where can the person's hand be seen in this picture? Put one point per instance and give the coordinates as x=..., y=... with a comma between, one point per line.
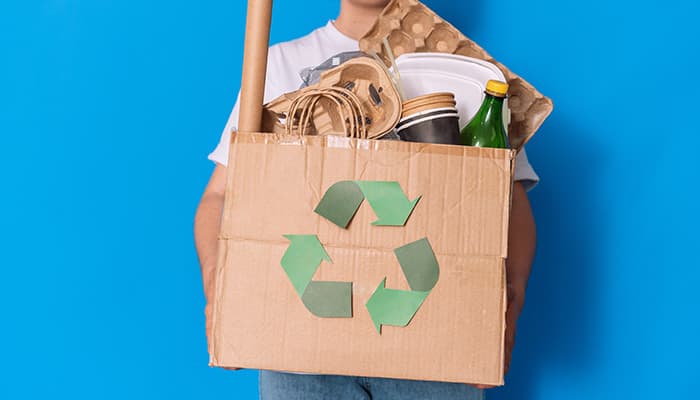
x=207, y=317
x=209, y=288
x=516, y=298
x=515, y=305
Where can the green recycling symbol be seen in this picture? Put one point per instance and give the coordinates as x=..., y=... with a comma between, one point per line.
x=328, y=299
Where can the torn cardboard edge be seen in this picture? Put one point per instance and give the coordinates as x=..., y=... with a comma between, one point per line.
x=370, y=144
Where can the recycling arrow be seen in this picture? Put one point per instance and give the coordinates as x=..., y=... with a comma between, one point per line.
x=397, y=307
x=388, y=201
x=393, y=307
x=324, y=299
x=339, y=205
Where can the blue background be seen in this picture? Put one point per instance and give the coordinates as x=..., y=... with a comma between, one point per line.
x=109, y=108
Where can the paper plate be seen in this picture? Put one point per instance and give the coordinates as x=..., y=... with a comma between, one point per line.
x=466, y=77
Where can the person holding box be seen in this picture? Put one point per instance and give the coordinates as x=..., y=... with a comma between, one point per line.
x=285, y=61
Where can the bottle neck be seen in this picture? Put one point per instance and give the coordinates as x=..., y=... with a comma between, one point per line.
x=494, y=104
x=486, y=128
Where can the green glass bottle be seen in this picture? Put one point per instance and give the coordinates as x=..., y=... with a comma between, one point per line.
x=486, y=128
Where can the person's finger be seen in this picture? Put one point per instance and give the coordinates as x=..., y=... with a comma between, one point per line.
x=506, y=362
x=511, y=328
x=483, y=387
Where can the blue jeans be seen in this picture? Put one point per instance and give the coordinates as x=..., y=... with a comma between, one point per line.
x=281, y=385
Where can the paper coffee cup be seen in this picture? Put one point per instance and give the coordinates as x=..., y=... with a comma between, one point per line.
x=431, y=118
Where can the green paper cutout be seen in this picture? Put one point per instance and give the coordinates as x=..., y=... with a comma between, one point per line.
x=393, y=307
x=334, y=299
x=388, y=201
x=419, y=264
x=329, y=299
x=300, y=261
x=340, y=203
x=397, y=307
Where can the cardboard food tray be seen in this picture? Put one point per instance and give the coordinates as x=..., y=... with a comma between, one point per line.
x=274, y=184
x=363, y=73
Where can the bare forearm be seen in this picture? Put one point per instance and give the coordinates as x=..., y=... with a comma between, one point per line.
x=206, y=227
x=521, y=245
x=206, y=232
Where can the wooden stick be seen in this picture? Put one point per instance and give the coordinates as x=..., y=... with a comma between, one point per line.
x=257, y=38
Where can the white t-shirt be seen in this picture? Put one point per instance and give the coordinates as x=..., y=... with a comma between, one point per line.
x=284, y=63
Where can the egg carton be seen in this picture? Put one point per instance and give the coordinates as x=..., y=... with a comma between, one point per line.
x=411, y=27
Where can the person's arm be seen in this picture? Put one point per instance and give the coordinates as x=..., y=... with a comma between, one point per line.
x=206, y=231
x=521, y=251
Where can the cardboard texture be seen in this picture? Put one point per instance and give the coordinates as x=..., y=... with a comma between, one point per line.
x=453, y=314
x=410, y=26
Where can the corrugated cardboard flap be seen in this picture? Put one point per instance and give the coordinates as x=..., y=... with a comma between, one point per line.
x=465, y=191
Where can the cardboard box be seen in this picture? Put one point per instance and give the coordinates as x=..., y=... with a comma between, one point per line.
x=274, y=185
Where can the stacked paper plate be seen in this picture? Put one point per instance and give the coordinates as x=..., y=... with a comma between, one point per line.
x=466, y=77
